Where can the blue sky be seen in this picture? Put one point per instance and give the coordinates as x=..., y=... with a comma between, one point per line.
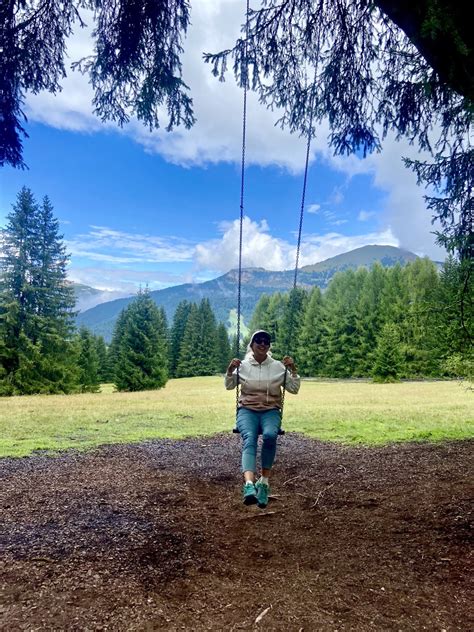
x=160, y=209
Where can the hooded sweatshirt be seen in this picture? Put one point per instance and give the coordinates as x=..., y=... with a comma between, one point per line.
x=261, y=383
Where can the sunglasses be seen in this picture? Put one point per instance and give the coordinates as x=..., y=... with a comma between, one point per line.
x=262, y=341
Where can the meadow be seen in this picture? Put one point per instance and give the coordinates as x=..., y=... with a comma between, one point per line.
x=350, y=412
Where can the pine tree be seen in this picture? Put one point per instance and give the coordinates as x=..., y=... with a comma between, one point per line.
x=454, y=306
x=422, y=281
x=141, y=347
x=291, y=322
x=368, y=318
x=224, y=350
x=199, y=348
x=101, y=350
x=180, y=319
x=36, y=303
x=113, y=353
x=272, y=323
x=88, y=362
x=208, y=349
x=188, y=360
x=261, y=317
x=388, y=360
x=310, y=349
x=340, y=320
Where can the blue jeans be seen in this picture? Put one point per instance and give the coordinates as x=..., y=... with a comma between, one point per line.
x=250, y=424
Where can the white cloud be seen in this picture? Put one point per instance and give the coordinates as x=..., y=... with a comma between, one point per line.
x=114, y=246
x=320, y=247
x=405, y=209
x=126, y=261
x=260, y=249
x=263, y=250
x=313, y=208
x=122, y=281
x=364, y=216
x=217, y=135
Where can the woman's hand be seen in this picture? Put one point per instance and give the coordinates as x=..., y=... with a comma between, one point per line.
x=233, y=365
x=290, y=364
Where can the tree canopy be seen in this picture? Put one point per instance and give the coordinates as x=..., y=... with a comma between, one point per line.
x=367, y=67
x=36, y=302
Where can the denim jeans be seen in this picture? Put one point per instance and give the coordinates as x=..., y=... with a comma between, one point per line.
x=250, y=424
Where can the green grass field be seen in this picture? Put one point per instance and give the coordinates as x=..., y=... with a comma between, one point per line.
x=345, y=411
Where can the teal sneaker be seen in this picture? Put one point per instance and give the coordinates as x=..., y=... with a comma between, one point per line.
x=249, y=494
x=263, y=491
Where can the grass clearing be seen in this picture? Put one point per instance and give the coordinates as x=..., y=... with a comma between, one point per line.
x=343, y=411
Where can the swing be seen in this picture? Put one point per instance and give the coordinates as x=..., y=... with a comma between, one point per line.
x=300, y=227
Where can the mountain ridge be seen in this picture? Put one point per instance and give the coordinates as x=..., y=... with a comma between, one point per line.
x=222, y=291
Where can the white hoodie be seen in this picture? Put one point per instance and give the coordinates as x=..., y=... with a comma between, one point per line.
x=261, y=383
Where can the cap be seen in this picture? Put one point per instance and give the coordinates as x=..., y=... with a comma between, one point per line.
x=260, y=332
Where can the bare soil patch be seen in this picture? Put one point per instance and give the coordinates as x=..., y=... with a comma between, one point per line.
x=154, y=537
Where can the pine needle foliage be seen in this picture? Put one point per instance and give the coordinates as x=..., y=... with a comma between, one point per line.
x=36, y=303
x=140, y=346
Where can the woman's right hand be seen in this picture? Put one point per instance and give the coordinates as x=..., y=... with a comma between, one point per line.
x=234, y=363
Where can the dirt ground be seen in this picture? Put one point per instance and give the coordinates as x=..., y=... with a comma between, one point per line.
x=154, y=537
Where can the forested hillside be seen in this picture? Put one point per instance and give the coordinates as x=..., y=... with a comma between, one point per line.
x=386, y=323
x=404, y=321
x=222, y=292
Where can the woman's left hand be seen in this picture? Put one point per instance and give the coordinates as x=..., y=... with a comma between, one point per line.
x=289, y=363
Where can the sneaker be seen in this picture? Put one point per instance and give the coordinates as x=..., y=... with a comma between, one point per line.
x=249, y=494
x=262, y=494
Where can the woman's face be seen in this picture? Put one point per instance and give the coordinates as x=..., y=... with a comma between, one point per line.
x=260, y=347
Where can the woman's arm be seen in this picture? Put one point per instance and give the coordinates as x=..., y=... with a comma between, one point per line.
x=231, y=374
x=293, y=380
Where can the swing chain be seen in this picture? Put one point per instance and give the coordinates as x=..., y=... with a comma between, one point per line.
x=242, y=191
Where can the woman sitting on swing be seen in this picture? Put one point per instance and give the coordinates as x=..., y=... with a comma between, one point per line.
x=259, y=409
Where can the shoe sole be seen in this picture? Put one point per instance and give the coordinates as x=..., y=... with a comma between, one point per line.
x=261, y=506
x=250, y=500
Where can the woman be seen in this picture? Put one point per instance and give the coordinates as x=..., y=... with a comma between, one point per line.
x=261, y=378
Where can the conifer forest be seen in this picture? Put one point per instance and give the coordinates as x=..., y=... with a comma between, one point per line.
x=404, y=322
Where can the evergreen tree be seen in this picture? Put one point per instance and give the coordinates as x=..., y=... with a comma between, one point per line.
x=113, y=353
x=388, y=361
x=310, y=348
x=291, y=322
x=36, y=303
x=261, y=317
x=188, y=360
x=272, y=323
x=394, y=297
x=101, y=350
x=208, y=349
x=413, y=77
x=199, y=349
x=88, y=362
x=340, y=320
x=368, y=318
x=454, y=306
x=141, y=347
x=180, y=319
x=224, y=350
x=421, y=280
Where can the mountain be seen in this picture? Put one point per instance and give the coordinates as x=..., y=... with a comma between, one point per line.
x=365, y=256
x=88, y=297
x=222, y=292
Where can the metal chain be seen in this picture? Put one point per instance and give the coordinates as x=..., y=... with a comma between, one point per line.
x=242, y=191
x=300, y=230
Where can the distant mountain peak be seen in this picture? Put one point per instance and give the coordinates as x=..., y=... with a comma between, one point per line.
x=222, y=291
x=364, y=256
